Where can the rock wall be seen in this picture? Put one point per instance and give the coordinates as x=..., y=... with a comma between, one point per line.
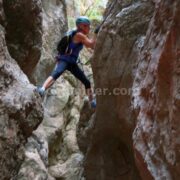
x=136, y=72
x=52, y=151
x=156, y=96
x=20, y=112
x=110, y=151
x=54, y=25
x=72, y=8
x=32, y=31
x=23, y=24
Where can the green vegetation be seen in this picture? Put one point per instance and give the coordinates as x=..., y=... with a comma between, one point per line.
x=94, y=9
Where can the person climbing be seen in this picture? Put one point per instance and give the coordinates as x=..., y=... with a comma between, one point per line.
x=68, y=61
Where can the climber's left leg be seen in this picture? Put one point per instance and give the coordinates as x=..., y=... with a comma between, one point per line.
x=79, y=74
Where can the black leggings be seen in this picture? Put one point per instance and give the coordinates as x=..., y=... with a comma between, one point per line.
x=61, y=66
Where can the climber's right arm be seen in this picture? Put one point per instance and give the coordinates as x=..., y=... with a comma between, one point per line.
x=89, y=43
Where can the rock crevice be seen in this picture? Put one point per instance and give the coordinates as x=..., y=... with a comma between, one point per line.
x=132, y=134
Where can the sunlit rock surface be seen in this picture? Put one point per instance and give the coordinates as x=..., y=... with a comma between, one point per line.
x=54, y=25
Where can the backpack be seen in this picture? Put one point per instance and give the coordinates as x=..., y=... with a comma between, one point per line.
x=63, y=45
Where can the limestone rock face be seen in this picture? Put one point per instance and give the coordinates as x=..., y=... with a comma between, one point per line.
x=156, y=96
x=54, y=25
x=134, y=132
x=110, y=154
x=52, y=151
x=72, y=8
x=23, y=24
x=53, y=144
x=20, y=112
x=85, y=127
x=44, y=145
x=2, y=15
x=35, y=163
x=59, y=124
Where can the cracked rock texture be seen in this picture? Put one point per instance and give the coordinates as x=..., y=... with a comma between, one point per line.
x=20, y=112
x=134, y=132
x=136, y=72
x=110, y=151
x=54, y=25
x=156, y=96
x=23, y=24
x=52, y=151
x=46, y=148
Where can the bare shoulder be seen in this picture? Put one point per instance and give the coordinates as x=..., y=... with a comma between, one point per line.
x=80, y=35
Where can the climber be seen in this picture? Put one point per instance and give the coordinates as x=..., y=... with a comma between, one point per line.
x=69, y=61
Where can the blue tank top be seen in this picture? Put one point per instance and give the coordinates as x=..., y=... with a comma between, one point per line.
x=72, y=58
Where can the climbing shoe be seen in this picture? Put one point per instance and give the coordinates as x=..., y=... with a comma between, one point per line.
x=93, y=103
x=41, y=91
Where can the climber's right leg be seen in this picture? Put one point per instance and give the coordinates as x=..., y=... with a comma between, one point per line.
x=61, y=66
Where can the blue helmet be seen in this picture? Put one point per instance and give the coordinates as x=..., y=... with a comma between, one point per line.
x=83, y=19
